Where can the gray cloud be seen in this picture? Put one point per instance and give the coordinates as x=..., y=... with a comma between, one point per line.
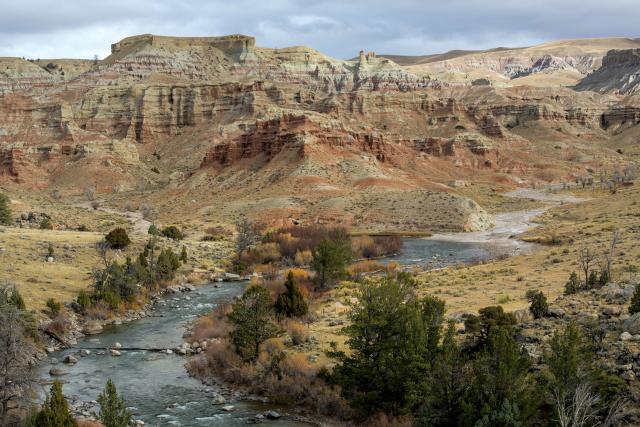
x=74, y=28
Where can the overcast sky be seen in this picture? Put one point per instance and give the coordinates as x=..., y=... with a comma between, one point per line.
x=340, y=28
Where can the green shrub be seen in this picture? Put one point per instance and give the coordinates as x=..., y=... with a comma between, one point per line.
x=573, y=285
x=46, y=224
x=153, y=230
x=50, y=251
x=172, y=232
x=5, y=211
x=84, y=301
x=291, y=303
x=118, y=238
x=539, y=306
x=54, y=307
x=183, y=254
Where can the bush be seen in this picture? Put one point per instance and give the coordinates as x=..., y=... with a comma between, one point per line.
x=5, y=210
x=83, y=300
x=539, y=306
x=330, y=260
x=356, y=270
x=46, y=224
x=291, y=303
x=573, y=284
x=53, y=306
x=59, y=325
x=118, y=238
x=303, y=258
x=172, y=232
x=153, y=230
x=298, y=332
x=635, y=301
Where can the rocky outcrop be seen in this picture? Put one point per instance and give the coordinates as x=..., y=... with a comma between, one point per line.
x=620, y=73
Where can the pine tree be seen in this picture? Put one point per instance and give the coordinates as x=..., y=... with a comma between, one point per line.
x=635, y=301
x=55, y=410
x=251, y=317
x=113, y=411
x=330, y=259
x=502, y=386
x=291, y=303
x=5, y=211
x=573, y=285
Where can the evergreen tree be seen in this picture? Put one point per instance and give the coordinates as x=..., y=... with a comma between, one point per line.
x=502, y=387
x=539, y=306
x=118, y=238
x=488, y=319
x=393, y=338
x=183, y=254
x=573, y=285
x=291, y=303
x=635, y=301
x=251, y=317
x=113, y=411
x=450, y=381
x=55, y=410
x=5, y=210
x=167, y=264
x=330, y=260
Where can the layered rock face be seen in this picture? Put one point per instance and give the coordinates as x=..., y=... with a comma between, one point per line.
x=620, y=73
x=305, y=130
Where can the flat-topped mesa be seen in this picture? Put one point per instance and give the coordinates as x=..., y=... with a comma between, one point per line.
x=622, y=57
x=236, y=45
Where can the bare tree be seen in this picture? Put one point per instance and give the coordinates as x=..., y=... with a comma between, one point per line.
x=587, y=258
x=579, y=410
x=246, y=236
x=608, y=256
x=16, y=371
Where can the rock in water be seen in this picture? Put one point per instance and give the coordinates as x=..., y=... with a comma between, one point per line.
x=228, y=408
x=56, y=372
x=115, y=353
x=70, y=360
x=272, y=415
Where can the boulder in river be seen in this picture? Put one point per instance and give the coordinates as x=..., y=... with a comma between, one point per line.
x=115, y=353
x=272, y=415
x=70, y=360
x=228, y=408
x=117, y=345
x=56, y=372
x=92, y=328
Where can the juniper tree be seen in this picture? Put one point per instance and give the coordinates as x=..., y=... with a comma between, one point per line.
x=252, y=319
x=291, y=302
x=55, y=410
x=113, y=411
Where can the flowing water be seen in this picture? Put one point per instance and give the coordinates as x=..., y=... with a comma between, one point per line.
x=156, y=385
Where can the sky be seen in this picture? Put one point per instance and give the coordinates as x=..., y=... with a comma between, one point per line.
x=339, y=28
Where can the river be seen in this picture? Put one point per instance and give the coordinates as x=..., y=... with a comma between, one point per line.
x=156, y=385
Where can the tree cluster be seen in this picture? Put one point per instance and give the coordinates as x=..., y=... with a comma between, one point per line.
x=404, y=361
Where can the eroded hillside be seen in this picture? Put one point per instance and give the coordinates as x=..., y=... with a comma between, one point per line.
x=206, y=129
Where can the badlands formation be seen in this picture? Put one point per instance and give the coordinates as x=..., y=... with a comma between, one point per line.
x=209, y=128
